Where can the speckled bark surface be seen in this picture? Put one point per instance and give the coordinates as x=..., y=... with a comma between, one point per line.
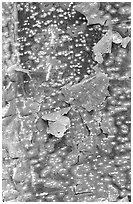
x=66, y=100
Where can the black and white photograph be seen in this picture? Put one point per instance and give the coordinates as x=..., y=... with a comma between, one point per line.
x=66, y=101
